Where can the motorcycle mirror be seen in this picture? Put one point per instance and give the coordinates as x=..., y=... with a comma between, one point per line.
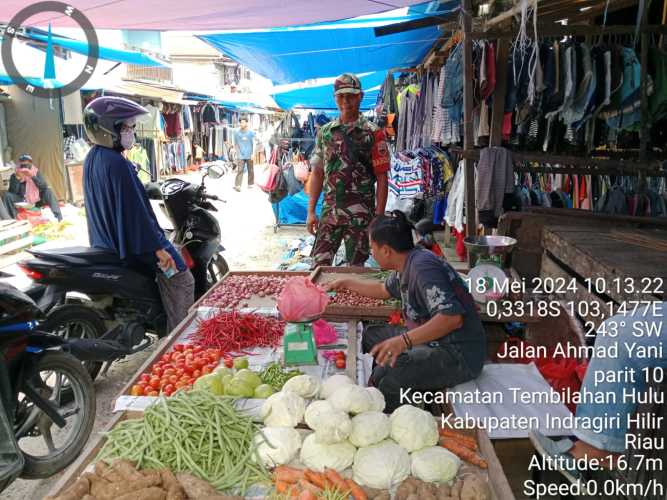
x=215, y=172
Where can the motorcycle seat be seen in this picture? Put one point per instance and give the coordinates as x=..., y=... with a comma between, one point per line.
x=79, y=256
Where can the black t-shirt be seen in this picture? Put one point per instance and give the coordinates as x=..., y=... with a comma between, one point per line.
x=429, y=286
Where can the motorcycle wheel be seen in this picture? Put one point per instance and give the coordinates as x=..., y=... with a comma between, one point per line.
x=76, y=321
x=216, y=270
x=32, y=426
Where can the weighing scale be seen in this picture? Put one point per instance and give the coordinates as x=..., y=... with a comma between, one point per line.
x=488, y=256
x=299, y=344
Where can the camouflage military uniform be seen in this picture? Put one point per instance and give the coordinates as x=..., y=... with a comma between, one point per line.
x=350, y=167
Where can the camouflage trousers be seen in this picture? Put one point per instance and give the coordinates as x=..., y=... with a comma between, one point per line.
x=329, y=238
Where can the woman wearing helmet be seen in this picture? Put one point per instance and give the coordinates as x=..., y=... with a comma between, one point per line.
x=119, y=214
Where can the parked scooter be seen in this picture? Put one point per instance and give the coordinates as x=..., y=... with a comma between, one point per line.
x=47, y=399
x=118, y=295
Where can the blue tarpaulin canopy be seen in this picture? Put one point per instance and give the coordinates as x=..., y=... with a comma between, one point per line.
x=106, y=53
x=296, y=54
x=322, y=96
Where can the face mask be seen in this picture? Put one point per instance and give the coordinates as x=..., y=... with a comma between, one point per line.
x=127, y=139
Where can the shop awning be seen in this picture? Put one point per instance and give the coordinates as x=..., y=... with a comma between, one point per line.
x=322, y=96
x=138, y=89
x=206, y=14
x=299, y=53
x=106, y=53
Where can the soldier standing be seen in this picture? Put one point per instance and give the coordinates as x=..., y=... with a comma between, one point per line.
x=350, y=156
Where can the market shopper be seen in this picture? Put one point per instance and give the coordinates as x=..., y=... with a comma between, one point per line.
x=615, y=372
x=27, y=185
x=244, y=139
x=119, y=214
x=443, y=342
x=350, y=156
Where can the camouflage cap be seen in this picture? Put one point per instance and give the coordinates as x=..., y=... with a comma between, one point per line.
x=347, y=83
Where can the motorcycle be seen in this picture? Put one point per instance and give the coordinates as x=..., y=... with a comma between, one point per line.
x=119, y=295
x=47, y=399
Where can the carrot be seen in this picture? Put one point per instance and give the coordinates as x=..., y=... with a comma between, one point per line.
x=463, y=452
x=317, y=478
x=337, y=481
x=287, y=474
x=467, y=441
x=307, y=485
x=356, y=491
x=307, y=495
x=282, y=486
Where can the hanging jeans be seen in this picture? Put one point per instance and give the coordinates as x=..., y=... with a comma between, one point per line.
x=241, y=165
x=620, y=334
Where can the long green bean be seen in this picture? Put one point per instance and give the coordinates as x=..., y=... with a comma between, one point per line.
x=195, y=432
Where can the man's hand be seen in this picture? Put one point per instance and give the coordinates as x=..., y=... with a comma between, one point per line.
x=336, y=285
x=312, y=223
x=386, y=353
x=165, y=260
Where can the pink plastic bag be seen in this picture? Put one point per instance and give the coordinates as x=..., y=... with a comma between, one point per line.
x=324, y=333
x=301, y=300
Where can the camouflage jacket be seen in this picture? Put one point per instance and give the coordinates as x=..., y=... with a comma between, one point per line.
x=349, y=180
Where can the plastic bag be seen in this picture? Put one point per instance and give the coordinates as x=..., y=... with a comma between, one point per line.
x=324, y=333
x=301, y=300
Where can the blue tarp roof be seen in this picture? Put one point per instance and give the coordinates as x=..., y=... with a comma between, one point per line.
x=295, y=54
x=106, y=53
x=322, y=96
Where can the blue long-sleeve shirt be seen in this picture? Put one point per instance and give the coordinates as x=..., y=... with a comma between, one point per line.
x=119, y=214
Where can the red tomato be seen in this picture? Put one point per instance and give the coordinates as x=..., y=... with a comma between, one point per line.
x=180, y=384
x=179, y=347
x=155, y=383
x=166, y=358
x=229, y=362
x=137, y=390
x=340, y=354
x=198, y=364
x=179, y=372
x=206, y=370
x=175, y=356
x=153, y=393
x=145, y=377
x=173, y=379
x=197, y=349
x=340, y=363
x=147, y=390
x=157, y=371
x=169, y=389
x=169, y=371
x=196, y=374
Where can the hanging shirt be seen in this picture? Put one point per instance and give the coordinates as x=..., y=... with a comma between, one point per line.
x=243, y=140
x=119, y=215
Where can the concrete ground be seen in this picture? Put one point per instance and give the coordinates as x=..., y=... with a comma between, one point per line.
x=246, y=222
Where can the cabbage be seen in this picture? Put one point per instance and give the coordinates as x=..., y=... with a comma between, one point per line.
x=377, y=397
x=351, y=399
x=211, y=383
x=435, y=464
x=318, y=456
x=315, y=411
x=277, y=445
x=249, y=377
x=369, y=428
x=264, y=391
x=239, y=388
x=332, y=384
x=330, y=425
x=303, y=385
x=283, y=409
x=413, y=428
x=381, y=466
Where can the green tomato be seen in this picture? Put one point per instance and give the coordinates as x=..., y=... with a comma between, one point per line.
x=249, y=377
x=239, y=389
x=241, y=363
x=264, y=391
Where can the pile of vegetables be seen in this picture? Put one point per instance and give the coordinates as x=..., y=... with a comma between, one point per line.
x=234, y=333
x=121, y=480
x=177, y=369
x=195, y=432
x=236, y=290
x=350, y=430
x=310, y=485
x=353, y=299
x=276, y=376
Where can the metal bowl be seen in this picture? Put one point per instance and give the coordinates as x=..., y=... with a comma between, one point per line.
x=484, y=247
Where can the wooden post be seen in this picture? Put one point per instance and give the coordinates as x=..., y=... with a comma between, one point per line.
x=498, y=107
x=468, y=141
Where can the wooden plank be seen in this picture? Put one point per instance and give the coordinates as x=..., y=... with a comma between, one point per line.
x=352, y=339
x=498, y=106
x=16, y=245
x=500, y=486
x=468, y=141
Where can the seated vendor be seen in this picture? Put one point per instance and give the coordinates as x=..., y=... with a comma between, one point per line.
x=27, y=185
x=443, y=342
